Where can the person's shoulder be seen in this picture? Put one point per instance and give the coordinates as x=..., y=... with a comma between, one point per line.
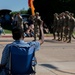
x=33, y=42
x=8, y=45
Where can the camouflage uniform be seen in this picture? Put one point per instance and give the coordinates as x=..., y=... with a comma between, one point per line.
x=60, y=27
x=66, y=26
x=37, y=22
x=71, y=27
x=55, y=25
x=19, y=20
x=63, y=24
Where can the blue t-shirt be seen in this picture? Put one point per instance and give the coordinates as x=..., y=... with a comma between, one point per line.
x=6, y=53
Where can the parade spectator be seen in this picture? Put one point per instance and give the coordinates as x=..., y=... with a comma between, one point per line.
x=18, y=36
x=1, y=30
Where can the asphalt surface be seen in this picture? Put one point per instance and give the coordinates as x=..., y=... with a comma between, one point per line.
x=54, y=57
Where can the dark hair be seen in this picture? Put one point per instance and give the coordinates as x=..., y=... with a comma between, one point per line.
x=17, y=33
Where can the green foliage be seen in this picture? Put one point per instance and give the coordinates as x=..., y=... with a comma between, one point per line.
x=22, y=11
x=29, y=11
x=14, y=12
x=7, y=31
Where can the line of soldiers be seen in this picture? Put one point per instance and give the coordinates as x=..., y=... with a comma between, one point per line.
x=63, y=26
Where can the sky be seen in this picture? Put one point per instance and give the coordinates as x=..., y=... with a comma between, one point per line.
x=14, y=5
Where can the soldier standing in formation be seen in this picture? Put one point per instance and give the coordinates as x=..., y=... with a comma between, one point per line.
x=71, y=26
x=64, y=26
x=55, y=24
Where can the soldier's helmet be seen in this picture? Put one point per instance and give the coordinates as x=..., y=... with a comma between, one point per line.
x=66, y=12
x=37, y=13
x=56, y=14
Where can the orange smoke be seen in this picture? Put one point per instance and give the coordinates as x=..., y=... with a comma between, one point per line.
x=31, y=5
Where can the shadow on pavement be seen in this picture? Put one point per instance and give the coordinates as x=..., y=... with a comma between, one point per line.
x=55, y=68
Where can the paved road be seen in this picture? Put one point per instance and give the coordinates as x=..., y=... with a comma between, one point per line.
x=54, y=58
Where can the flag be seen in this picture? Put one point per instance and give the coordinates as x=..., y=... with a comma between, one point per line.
x=31, y=5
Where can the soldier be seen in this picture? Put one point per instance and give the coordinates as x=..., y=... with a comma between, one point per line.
x=37, y=22
x=55, y=24
x=60, y=27
x=63, y=24
x=19, y=20
x=71, y=26
x=66, y=25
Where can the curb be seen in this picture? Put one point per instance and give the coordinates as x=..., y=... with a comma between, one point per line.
x=10, y=35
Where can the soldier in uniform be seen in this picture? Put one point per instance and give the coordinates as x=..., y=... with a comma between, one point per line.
x=19, y=20
x=37, y=22
x=71, y=27
x=66, y=25
x=55, y=25
x=63, y=24
x=60, y=27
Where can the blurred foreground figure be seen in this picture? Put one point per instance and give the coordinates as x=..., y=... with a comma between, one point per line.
x=18, y=36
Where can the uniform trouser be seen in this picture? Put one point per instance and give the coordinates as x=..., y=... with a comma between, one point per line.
x=70, y=35
x=66, y=32
x=54, y=31
x=60, y=33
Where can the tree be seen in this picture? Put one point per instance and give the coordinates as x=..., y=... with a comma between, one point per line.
x=23, y=11
x=29, y=11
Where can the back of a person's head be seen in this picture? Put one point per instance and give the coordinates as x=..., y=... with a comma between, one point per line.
x=17, y=33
